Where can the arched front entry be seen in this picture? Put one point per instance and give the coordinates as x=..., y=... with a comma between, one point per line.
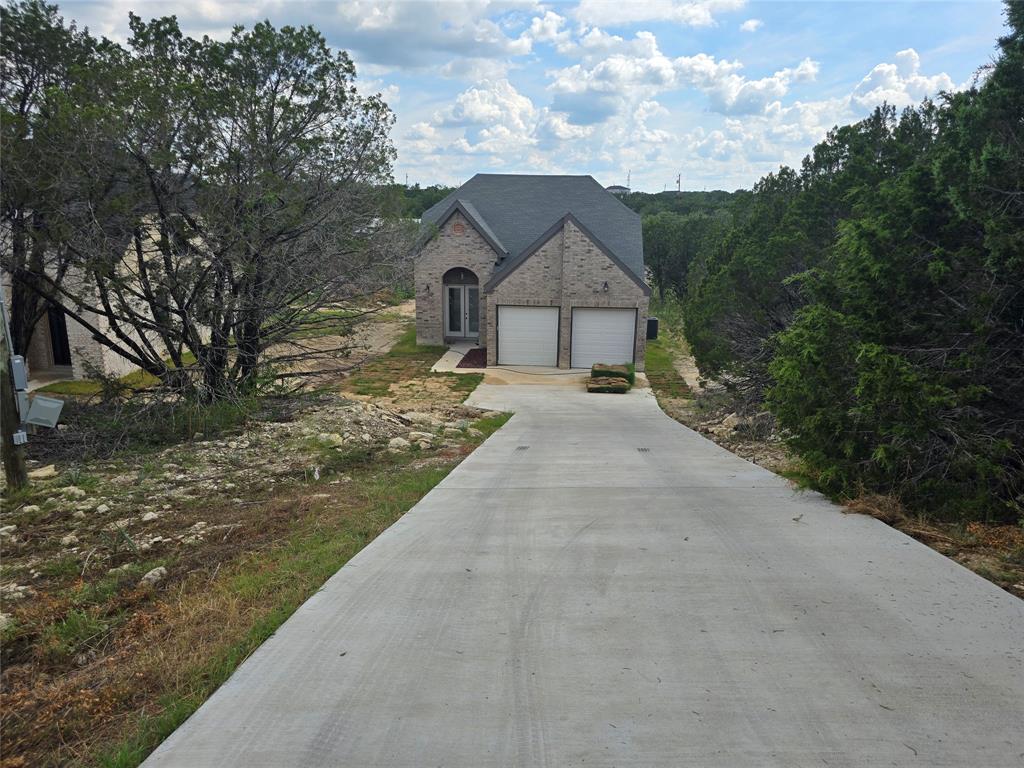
x=461, y=304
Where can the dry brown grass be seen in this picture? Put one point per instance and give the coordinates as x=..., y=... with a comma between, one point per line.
x=176, y=644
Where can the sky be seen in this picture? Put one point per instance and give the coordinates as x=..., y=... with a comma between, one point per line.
x=714, y=92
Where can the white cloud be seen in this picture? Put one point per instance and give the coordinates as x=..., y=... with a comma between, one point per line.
x=751, y=25
x=899, y=83
x=422, y=130
x=491, y=103
x=492, y=118
x=640, y=70
x=693, y=13
x=548, y=29
x=476, y=69
x=555, y=125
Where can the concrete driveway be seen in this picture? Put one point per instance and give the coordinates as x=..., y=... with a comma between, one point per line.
x=598, y=585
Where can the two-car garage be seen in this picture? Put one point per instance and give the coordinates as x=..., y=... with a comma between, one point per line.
x=529, y=335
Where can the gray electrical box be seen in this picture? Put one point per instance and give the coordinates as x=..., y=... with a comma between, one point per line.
x=44, y=411
x=20, y=372
x=22, y=405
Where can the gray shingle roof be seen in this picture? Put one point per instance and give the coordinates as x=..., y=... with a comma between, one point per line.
x=517, y=209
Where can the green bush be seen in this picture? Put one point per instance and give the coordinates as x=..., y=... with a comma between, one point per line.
x=874, y=298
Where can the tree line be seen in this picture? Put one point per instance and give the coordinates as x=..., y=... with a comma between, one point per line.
x=873, y=299
x=190, y=202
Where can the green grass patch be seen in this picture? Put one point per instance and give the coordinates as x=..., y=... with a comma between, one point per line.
x=61, y=568
x=463, y=382
x=77, y=631
x=661, y=371
x=134, y=381
x=73, y=388
x=406, y=347
x=406, y=360
x=491, y=424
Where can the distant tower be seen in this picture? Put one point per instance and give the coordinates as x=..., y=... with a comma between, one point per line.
x=679, y=183
x=629, y=177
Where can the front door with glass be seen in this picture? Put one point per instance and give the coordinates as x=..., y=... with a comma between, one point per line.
x=462, y=311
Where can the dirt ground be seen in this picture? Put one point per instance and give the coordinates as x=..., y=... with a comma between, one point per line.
x=329, y=356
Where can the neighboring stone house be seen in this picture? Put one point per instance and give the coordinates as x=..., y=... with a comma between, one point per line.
x=541, y=270
x=62, y=349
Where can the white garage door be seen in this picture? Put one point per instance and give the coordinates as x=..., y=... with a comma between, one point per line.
x=602, y=336
x=527, y=335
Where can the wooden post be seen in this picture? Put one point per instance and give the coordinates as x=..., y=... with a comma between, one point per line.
x=14, y=455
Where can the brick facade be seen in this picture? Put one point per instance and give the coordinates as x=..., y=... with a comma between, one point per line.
x=568, y=270
x=457, y=244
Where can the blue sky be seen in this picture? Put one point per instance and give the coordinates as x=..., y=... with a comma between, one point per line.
x=718, y=91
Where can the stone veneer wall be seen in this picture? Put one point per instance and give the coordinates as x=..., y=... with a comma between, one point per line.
x=446, y=250
x=569, y=270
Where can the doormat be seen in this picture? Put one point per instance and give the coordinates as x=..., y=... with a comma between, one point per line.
x=475, y=358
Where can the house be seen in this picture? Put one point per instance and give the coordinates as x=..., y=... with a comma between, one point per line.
x=540, y=270
x=617, y=189
x=61, y=348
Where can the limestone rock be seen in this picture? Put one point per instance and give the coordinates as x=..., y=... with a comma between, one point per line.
x=154, y=577
x=398, y=443
x=43, y=473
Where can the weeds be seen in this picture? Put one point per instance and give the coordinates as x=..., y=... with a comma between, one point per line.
x=76, y=632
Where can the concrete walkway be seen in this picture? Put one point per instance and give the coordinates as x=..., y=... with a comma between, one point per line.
x=597, y=585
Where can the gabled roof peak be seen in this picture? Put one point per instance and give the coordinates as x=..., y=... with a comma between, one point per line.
x=512, y=210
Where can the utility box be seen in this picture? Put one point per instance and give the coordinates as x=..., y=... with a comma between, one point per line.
x=652, y=327
x=44, y=411
x=20, y=372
